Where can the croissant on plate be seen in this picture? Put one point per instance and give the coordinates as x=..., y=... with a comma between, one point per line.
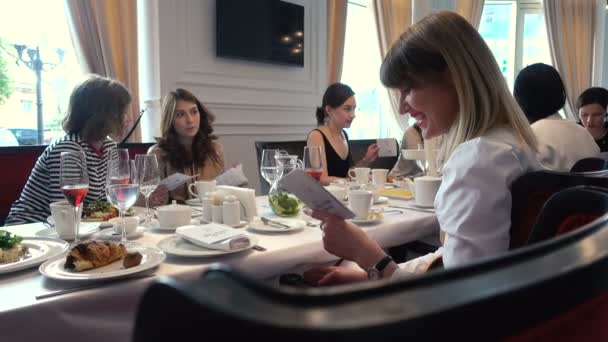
x=93, y=254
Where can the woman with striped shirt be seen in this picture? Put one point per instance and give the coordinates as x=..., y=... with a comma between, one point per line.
x=97, y=109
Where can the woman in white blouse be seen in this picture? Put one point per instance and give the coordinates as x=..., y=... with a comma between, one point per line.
x=451, y=84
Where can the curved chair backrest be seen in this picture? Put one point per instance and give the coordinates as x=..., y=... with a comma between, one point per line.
x=590, y=165
x=569, y=210
x=509, y=296
x=532, y=190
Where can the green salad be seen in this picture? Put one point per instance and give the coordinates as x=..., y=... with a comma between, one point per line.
x=8, y=240
x=283, y=204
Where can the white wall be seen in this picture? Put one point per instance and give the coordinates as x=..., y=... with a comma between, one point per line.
x=251, y=101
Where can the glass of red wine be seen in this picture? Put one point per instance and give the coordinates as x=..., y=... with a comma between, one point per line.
x=74, y=182
x=313, y=161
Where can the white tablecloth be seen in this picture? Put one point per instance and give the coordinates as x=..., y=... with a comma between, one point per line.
x=108, y=312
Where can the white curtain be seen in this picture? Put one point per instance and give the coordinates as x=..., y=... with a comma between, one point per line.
x=576, y=41
x=392, y=18
x=336, y=33
x=471, y=10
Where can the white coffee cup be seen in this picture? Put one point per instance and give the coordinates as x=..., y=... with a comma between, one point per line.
x=202, y=188
x=63, y=215
x=379, y=177
x=337, y=191
x=360, y=174
x=360, y=201
x=426, y=188
x=132, y=222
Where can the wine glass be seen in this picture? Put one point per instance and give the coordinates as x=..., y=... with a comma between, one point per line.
x=121, y=187
x=268, y=166
x=74, y=182
x=313, y=161
x=148, y=178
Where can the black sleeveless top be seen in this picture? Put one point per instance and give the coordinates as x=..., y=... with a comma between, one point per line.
x=336, y=166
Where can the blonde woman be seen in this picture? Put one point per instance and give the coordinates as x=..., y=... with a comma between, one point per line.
x=450, y=83
x=187, y=144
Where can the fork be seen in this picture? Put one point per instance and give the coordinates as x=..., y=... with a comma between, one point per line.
x=274, y=223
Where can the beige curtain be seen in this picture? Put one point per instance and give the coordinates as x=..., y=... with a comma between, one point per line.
x=105, y=34
x=392, y=17
x=471, y=10
x=571, y=29
x=336, y=32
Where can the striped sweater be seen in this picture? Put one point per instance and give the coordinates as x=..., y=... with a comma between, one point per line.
x=43, y=188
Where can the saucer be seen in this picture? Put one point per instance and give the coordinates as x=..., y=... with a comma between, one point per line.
x=195, y=202
x=366, y=221
x=110, y=234
x=85, y=230
x=381, y=200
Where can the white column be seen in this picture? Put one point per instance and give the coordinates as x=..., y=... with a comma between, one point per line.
x=149, y=68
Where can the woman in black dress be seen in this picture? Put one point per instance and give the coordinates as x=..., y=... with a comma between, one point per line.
x=335, y=114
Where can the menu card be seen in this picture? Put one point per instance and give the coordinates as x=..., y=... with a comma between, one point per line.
x=309, y=191
x=387, y=147
x=209, y=233
x=175, y=180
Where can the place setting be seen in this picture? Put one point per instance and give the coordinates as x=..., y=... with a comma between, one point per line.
x=208, y=240
x=19, y=253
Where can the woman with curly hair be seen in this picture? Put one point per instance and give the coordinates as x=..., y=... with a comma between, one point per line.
x=187, y=144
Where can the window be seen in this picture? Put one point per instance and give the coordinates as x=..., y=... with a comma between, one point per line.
x=361, y=71
x=515, y=32
x=26, y=31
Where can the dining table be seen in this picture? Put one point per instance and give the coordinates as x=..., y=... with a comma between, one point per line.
x=102, y=311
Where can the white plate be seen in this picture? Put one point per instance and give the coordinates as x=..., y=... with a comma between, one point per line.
x=381, y=200
x=365, y=222
x=169, y=229
x=86, y=230
x=194, y=202
x=258, y=225
x=100, y=224
x=54, y=268
x=110, y=234
x=418, y=206
x=39, y=250
x=175, y=245
x=242, y=224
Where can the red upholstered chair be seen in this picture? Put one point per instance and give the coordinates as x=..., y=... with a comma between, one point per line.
x=532, y=190
x=590, y=165
x=569, y=210
x=556, y=290
x=16, y=164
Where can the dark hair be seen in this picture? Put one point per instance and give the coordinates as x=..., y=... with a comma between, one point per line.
x=540, y=91
x=202, y=145
x=593, y=95
x=335, y=95
x=97, y=108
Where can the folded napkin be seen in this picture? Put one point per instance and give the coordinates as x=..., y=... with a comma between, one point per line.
x=214, y=236
x=245, y=196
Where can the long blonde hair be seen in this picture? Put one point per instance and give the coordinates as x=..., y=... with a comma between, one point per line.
x=446, y=41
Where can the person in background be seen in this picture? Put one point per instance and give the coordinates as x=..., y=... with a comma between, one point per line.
x=97, y=109
x=336, y=113
x=412, y=139
x=187, y=145
x=540, y=92
x=450, y=83
x=591, y=106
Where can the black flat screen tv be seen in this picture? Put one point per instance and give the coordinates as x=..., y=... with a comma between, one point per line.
x=270, y=31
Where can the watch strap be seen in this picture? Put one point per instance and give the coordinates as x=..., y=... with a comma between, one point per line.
x=381, y=265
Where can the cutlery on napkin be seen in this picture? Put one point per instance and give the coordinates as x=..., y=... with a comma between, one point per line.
x=214, y=236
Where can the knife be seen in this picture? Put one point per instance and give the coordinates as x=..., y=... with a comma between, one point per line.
x=270, y=222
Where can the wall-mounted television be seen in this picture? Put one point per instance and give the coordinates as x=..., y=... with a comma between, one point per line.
x=270, y=31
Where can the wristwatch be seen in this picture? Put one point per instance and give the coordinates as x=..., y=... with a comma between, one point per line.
x=374, y=272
